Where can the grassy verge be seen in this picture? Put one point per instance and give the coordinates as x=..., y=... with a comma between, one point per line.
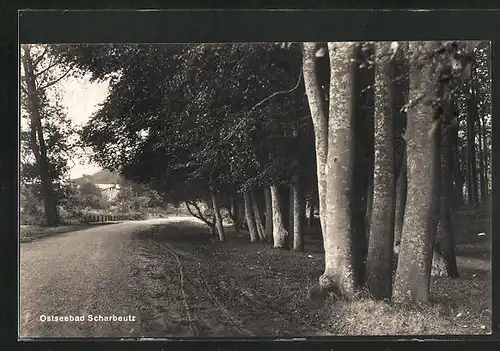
x=269, y=289
x=31, y=233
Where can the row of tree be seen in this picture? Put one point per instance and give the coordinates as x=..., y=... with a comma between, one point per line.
x=384, y=139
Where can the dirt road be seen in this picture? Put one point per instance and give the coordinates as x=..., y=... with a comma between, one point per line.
x=102, y=273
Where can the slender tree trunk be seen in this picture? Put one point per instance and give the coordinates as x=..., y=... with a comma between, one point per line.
x=320, y=122
x=38, y=145
x=363, y=83
x=471, y=148
x=256, y=212
x=401, y=189
x=423, y=136
x=485, y=154
x=240, y=213
x=233, y=212
x=380, y=247
x=279, y=232
x=482, y=175
x=252, y=228
x=313, y=203
x=446, y=238
x=218, y=218
x=298, y=209
x=401, y=89
x=291, y=214
x=269, y=214
x=339, y=272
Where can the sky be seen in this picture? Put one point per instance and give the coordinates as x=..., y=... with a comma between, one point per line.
x=81, y=99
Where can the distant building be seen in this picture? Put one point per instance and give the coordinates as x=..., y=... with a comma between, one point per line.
x=110, y=191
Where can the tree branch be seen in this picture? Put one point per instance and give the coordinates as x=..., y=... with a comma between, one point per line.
x=47, y=68
x=39, y=58
x=56, y=80
x=280, y=92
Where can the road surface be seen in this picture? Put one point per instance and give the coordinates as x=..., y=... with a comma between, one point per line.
x=99, y=281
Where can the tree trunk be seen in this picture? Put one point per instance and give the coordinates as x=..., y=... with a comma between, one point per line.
x=471, y=148
x=338, y=243
x=258, y=221
x=38, y=145
x=252, y=228
x=269, y=214
x=233, y=212
x=291, y=214
x=319, y=117
x=446, y=237
x=482, y=176
x=458, y=176
x=485, y=155
x=363, y=156
x=218, y=218
x=423, y=136
x=401, y=190
x=280, y=234
x=298, y=209
x=381, y=240
x=240, y=213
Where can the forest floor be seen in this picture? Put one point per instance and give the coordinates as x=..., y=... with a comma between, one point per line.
x=250, y=289
x=29, y=233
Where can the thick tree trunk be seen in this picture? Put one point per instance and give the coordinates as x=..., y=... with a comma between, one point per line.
x=381, y=240
x=269, y=214
x=280, y=234
x=319, y=117
x=423, y=135
x=258, y=221
x=38, y=145
x=252, y=228
x=338, y=243
x=298, y=209
x=218, y=218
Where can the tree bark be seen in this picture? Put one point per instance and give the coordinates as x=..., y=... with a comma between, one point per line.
x=269, y=214
x=38, y=145
x=471, y=148
x=363, y=101
x=446, y=237
x=423, y=135
x=401, y=190
x=280, y=234
x=233, y=212
x=252, y=228
x=256, y=212
x=319, y=117
x=218, y=218
x=240, y=213
x=482, y=176
x=381, y=240
x=298, y=209
x=339, y=272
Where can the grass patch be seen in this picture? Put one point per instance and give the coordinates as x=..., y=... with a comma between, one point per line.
x=268, y=289
x=369, y=317
x=31, y=233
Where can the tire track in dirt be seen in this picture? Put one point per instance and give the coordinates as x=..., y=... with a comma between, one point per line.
x=204, y=288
